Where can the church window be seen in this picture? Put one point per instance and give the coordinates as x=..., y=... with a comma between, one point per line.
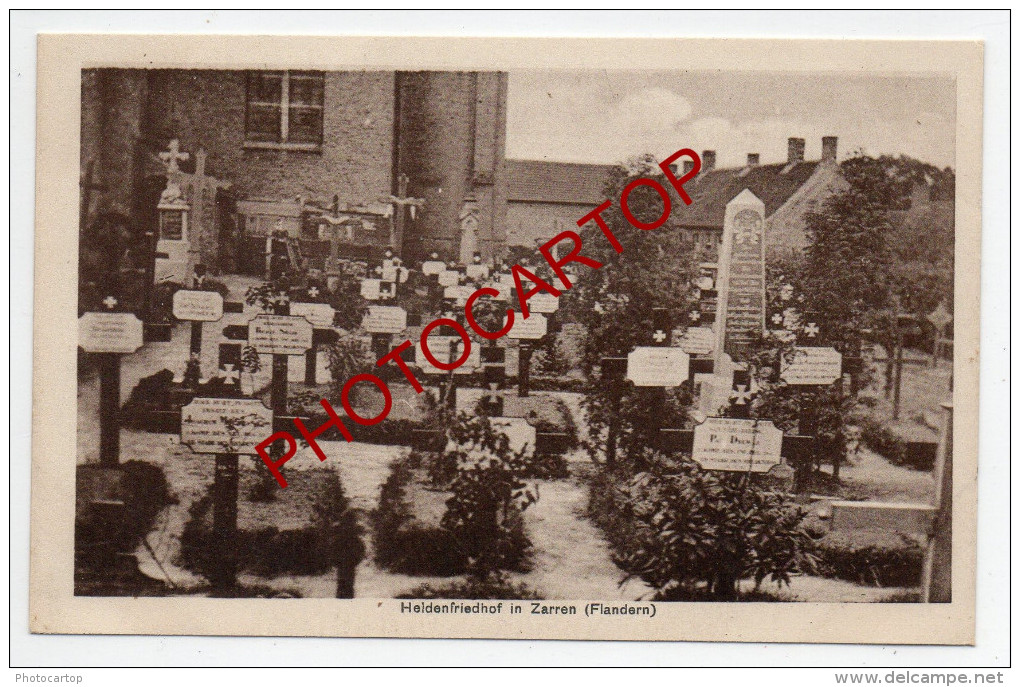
x=284, y=109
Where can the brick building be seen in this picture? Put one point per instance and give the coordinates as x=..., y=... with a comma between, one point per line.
x=545, y=198
x=346, y=162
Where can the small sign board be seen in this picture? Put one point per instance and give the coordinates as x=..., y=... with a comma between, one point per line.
x=722, y=443
x=449, y=277
x=543, y=302
x=813, y=365
x=280, y=334
x=370, y=289
x=458, y=293
x=940, y=318
x=225, y=425
x=534, y=327
x=198, y=306
x=522, y=436
x=431, y=267
x=109, y=332
x=657, y=366
x=385, y=319
x=698, y=340
x=477, y=271
x=389, y=272
x=319, y=314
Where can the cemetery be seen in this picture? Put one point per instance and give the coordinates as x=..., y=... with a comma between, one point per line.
x=644, y=428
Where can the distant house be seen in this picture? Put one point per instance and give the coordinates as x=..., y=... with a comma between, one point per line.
x=789, y=190
x=545, y=198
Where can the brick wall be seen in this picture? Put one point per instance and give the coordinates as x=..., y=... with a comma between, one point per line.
x=207, y=108
x=528, y=222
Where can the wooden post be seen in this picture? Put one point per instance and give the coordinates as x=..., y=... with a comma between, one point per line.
x=225, y=480
x=938, y=562
x=524, y=370
x=897, y=374
x=109, y=409
x=311, y=361
x=613, y=370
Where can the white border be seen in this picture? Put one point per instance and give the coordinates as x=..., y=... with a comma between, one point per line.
x=993, y=581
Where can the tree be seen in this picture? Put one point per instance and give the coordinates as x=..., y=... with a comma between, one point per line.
x=615, y=304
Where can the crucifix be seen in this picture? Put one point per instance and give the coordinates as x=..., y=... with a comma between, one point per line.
x=402, y=203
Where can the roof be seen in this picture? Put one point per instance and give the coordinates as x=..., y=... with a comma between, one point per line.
x=538, y=181
x=711, y=191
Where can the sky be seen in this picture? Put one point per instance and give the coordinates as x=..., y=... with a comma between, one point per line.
x=604, y=116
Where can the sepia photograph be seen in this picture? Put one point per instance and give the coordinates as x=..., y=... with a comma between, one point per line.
x=512, y=350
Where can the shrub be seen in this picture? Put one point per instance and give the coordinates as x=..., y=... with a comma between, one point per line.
x=489, y=494
x=145, y=492
x=691, y=528
x=898, y=451
x=495, y=587
x=883, y=559
x=332, y=540
x=402, y=545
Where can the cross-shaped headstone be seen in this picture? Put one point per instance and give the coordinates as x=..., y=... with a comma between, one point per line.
x=110, y=302
x=172, y=155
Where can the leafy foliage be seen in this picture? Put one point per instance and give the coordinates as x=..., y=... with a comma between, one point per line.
x=615, y=305
x=690, y=527
x=488, y=494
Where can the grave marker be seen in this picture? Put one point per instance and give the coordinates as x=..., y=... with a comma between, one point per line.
x=813, y=365
x=385, y=319
x=280, y=334
x=740, y=305
x=521, y=434
x=657, y=366
x=734, y=444
x=534, y=327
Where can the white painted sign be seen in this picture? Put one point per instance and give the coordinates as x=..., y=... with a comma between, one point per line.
x=477, y=271
x=225, y=425
x=319, y=314
x=389, y=272
x=280, y=334
x=461, y=293
x=109, y=332
x=385, y=319
x=439, y=347
x=738, y=445
x=521, y=435
x=370, y=289
x=432, y=267
x=658, y=366
x=449, y=277
x=543, y=302
x=534, y=327
x=198, y=306
x=813, y=365
x=698, y=340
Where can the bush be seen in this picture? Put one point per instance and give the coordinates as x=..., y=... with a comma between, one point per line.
x=494, y=587
x=883, y=559
x=145, y=492
x=402, y=545
x=692, y=528
x=489, y=495
x=332, y=540
x=898, y=451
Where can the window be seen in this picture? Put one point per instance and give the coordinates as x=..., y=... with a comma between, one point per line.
x=284, y=109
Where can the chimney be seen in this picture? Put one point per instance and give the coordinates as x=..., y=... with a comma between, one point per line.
x=795, y=151
x=753, y=159
x=707, y=160
x=829, y=148
x=688, y=166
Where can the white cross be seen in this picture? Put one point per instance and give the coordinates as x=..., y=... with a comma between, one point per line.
x=229, y=374
x=777, y=318
x=811, y=330
x=695, y=315
x=786, y=293
x=110, y=302
x=280, y=300
x=659, y=336
x=741, y=394
x=172, y=155
x=313, y=292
